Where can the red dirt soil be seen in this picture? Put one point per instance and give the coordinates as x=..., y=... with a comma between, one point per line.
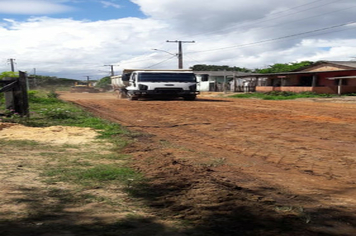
x=243, y=166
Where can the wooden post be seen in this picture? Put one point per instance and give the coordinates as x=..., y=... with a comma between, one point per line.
x=16, y=97
x=314, y=81
x=224, y=89
x=21, y=95
x=339, y=87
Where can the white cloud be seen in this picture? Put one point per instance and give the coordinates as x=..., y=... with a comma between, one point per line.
x=227, y=32
x=110, y=4
x=75, y=47
x=32, y=7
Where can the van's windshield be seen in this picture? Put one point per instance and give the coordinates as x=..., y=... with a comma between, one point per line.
x=166, y=77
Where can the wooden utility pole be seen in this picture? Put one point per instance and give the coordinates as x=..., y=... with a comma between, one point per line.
x=12, y=62
x=224, y=89
x=111, y=70
x=180, y=51
x=88, y=79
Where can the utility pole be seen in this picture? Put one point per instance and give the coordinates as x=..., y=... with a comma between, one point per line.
x=34, y=78
x=111, y=70
x=12, y=62
x=180, y=51
x=87, y=81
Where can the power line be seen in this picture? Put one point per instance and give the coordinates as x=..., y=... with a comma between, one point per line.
x=263, y=21
x=275, y=39
x=160, y=62
x=307, y=18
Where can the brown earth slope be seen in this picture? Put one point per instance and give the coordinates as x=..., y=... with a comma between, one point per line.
x=244, y=166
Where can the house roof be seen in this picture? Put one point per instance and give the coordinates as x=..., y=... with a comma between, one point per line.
x=294, y=73
x=224, y=73
x=341, y=64
x=351, y=64
x=345, y=66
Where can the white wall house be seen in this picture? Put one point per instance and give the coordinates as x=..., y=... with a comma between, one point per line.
x=220, y=81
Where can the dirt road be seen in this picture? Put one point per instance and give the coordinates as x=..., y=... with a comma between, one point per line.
x=290, y=163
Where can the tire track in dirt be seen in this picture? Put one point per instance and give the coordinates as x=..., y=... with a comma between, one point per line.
x=268, y=148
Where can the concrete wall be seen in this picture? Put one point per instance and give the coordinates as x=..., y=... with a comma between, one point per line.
x=319, y=90
x=264, y=89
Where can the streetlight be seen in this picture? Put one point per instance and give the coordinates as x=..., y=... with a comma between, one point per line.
x=176, y=55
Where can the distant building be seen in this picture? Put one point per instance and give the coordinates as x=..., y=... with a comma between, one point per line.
x=323, y=77
x=220, y=81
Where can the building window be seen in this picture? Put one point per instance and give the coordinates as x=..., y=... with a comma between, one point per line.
x=204, y=78
x=306, y=81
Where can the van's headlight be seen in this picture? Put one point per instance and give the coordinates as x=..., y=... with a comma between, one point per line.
x=142, y=87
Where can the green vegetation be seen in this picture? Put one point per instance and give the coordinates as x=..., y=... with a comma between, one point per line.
x=79, y=167
x=203, y=67
x=47, y=110
x=275, y=95
x=92, y=176
x=275, y=68
x=50, y=81
x=104, y=82
x=284, y=67
x=9, y=74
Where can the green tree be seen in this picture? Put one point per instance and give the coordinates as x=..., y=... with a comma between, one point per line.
x=9, y=74
x=104, y=82
x=44, y=81
x=286, y=67
x=203, y=67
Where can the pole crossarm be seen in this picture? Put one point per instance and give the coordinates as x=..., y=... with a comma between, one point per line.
x=180, y=51
x=111, y=69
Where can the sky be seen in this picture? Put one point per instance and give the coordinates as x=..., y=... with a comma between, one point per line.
x=79, y=38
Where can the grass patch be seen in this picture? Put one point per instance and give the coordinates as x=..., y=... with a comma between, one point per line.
x=216, y=162
x=99, y=174
x=73, y=163
x=27, y=143
x=276, y=95
x=47, y=110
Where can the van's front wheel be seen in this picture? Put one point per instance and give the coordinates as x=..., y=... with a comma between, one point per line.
x=132, y=97
x=190, y=97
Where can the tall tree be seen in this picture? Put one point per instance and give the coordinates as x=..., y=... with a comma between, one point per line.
x=204, y=67
x=284, y=67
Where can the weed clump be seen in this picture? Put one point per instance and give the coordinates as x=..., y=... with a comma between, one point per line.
x=281, y=95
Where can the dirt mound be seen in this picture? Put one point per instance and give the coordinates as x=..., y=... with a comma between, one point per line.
x=51, y=135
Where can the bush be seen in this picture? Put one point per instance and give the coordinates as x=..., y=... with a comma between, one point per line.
x=57, y=113
x=281, y=95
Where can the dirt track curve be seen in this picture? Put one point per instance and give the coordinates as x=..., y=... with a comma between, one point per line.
x=291, y=160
